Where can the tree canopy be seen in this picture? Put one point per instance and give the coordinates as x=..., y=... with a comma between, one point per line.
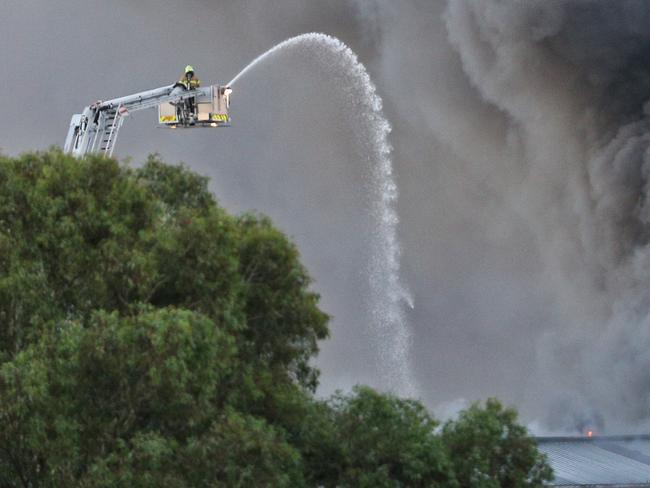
x=490, y=449
x=149, y=338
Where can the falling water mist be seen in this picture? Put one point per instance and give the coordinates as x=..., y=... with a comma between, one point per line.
x=388, y=296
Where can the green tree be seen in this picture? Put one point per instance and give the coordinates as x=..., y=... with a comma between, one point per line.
x=237, y=451
x=489, y=449
x=143, y=329
x=149, y=339
x=134, y=401
x=83, y=235
x=78, y=236
x=84, y=390
x=284, y=322
x=370, y=439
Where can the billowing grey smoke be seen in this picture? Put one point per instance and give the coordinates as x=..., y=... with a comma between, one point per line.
x=570, y=80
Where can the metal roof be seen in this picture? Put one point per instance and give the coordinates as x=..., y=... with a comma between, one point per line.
x=618, y=461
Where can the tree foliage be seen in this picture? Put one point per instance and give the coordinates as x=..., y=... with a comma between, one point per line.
x=385, y=440
x=148, y=338
x=489, y=449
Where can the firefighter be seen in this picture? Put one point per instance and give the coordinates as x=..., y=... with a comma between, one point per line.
x=188, y=81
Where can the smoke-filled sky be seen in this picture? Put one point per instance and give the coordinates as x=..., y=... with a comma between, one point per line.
x=521, y=150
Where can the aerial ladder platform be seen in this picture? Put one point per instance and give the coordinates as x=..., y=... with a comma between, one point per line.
x=95, y=130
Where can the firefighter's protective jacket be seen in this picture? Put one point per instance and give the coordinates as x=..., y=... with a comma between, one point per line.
x=190, y=84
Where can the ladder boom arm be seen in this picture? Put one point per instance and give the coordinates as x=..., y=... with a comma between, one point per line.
x=152, y=98
x=97, y=127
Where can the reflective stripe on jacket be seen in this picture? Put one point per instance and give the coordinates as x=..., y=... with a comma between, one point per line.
x=191, y=84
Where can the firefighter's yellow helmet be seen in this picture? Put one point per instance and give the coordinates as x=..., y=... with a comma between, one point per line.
x=189, y=69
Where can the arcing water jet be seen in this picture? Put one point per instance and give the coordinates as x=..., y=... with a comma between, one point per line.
x=388, y=295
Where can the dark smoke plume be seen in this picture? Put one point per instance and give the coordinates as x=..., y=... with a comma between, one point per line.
x=569, y=80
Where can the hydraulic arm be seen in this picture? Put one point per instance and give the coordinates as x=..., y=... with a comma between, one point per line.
x=95, y=130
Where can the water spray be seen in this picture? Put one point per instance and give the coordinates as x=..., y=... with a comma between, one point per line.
x=388, y=295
